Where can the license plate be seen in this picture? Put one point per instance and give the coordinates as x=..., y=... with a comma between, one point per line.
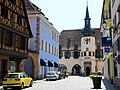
x=10, y=85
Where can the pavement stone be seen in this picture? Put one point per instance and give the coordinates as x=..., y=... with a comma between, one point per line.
x=70, y=83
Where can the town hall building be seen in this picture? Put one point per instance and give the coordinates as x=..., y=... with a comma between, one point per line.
x=78, y=49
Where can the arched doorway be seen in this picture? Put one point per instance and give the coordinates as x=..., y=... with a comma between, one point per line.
x=28, y=65
x=87, y=71
x=76, y=70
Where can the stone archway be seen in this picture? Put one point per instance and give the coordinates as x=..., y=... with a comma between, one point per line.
x=87, y=67
x=76, y=70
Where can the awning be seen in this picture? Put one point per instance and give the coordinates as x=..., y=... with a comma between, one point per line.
x=55, y=64
x=42, y=62
x=50, y=64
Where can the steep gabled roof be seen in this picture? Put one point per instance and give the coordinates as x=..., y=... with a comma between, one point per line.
x=26, y=16
x=75, y=37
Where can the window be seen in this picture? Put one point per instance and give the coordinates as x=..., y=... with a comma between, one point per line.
x=55, y=51
x=45, y=46
x=52, y=49
x=16, y=40
x=89, y=53
x=93, y=53
x=8, y=38
x=67, y=54
x=68, y=43
x=49, y=48
x=84, y=53
x=13, y=1
x=19, y=20
x=60, y=54
x=87, y=22
x=76, y=54
x=21, y=75
x=22, y=42
x=42, y=45
x=25, y=75
x=4, y=12
x=60, y=51
x=87, y=49
x=52, y=34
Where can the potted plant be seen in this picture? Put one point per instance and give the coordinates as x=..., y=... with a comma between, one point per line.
x=96, y=78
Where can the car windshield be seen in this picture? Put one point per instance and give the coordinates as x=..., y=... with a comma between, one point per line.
x=12, y=76
x=50, y=73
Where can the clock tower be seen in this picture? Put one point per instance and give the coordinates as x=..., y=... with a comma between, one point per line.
x=88, y=47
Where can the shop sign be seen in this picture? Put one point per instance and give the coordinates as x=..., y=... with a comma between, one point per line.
x=107, y=49
x=106, y=41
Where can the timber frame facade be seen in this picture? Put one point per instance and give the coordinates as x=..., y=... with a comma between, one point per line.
x=14, y=34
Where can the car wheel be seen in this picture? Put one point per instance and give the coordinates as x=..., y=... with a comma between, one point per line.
x=31, y=83
x=4, y=88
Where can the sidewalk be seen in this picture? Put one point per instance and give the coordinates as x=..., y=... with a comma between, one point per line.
x=109, y=86
x=106, y=85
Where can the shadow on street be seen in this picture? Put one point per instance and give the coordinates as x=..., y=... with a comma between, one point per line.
x=109, y=86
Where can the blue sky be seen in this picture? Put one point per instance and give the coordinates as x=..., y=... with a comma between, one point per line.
x=70, y=14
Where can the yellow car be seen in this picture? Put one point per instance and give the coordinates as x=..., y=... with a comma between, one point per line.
x=19, y=80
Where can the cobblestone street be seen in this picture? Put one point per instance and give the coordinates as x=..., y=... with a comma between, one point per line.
x=70, y=83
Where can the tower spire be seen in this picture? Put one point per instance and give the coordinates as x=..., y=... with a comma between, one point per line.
x=87, y=18
x=87, y=28
x=87, y=12
x=87, y=3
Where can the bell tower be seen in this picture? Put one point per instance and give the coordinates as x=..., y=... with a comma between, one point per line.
x=88, y=46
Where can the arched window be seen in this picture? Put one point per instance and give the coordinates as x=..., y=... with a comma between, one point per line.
x=76, y=52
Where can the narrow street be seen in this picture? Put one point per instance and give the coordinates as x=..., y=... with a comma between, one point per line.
x=70, y=83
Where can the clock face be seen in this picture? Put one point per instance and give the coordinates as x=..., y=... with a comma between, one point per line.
x=87, y=40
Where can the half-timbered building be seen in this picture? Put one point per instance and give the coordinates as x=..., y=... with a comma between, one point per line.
x=14, y=34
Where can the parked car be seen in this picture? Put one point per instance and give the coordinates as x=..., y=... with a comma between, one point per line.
x=18, y=80
x=52, y=75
